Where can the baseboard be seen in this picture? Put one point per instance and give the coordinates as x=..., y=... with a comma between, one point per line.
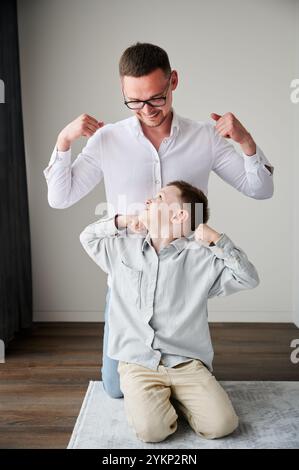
x=251, y=317
x=214, y=316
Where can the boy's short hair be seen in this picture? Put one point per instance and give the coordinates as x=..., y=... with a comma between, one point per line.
x=143, y=58
x=198, y=202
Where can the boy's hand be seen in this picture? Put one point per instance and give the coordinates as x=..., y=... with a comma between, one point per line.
x=206, y=234
x=131, y=222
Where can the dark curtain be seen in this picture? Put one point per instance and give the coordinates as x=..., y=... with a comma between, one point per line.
x=15, y=256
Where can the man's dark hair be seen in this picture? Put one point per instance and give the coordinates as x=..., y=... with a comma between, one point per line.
x=143, y=58
x=197, y=200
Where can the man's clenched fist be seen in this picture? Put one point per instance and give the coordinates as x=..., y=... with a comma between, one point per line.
x=84, y=125
x=230, y=127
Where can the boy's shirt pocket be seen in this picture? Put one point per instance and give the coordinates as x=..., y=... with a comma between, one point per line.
x=130, y=280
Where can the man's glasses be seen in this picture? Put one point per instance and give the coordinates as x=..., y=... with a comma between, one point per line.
x=154, y=102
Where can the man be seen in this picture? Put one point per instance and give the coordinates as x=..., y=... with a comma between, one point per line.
x=158, y=316
x=138, y=155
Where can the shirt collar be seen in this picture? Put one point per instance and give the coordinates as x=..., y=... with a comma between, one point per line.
x=174, y=124
x=179, y=243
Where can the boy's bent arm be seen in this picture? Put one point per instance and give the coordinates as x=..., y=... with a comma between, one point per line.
x=230, y=271
x=98, y=240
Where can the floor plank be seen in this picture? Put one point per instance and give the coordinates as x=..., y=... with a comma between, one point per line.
x=47, y=371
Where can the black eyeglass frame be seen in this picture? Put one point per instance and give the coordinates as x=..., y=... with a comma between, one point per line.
x=149, y=101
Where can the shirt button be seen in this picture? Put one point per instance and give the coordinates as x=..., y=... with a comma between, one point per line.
x=157, y=181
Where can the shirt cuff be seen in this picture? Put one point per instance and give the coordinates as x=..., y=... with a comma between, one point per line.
x=254, y=162
x=106, y=226
x=223, y=247
x=62, y=159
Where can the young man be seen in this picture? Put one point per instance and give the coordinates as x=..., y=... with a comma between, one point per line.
x=139, y=155
x=158, y=320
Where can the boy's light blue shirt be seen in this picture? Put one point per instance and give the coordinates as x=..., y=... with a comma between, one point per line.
x=158, y=305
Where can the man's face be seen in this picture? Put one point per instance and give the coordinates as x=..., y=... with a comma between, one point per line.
x=159, y=211
x=153, y=85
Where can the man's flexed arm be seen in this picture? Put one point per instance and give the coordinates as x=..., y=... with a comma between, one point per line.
x=67, y=182
x=250, y=173
x=84, y=125
x=230, y=127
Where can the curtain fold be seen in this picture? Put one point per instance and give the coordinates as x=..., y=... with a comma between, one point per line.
x=15, y=249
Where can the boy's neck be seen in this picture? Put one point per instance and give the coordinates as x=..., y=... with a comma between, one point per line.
x=160, y=243
x=169, y=235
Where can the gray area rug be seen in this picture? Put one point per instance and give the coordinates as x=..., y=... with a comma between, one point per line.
x=268, y=413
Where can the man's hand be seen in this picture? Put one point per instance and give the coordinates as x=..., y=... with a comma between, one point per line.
x=230, y=127
x=84, y=125
x=131, y=222
x=206, y=234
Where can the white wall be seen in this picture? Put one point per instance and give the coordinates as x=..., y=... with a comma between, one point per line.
x=234, y=56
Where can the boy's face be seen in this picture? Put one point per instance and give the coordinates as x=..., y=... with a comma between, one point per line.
x=158, y=217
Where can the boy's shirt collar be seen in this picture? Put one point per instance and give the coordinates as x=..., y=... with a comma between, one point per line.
x=179, y=243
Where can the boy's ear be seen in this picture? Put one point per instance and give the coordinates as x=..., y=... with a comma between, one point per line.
x=180, y=217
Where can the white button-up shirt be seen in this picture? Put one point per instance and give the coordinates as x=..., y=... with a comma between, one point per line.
x=133, y=170
x=158, y=307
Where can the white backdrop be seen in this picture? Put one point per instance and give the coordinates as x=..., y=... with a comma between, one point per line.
x=237, y=56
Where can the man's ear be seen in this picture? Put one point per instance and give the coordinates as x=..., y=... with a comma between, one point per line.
x=174, y=79
x=180, y=217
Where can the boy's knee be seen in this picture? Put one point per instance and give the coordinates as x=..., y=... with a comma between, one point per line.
x=226, y=425
x=155, y=432
x=223, y=426
x=150, y=427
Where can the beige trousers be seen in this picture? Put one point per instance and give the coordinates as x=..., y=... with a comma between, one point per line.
x=192, y=388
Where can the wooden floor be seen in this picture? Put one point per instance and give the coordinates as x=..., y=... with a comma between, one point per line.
x=47, y=370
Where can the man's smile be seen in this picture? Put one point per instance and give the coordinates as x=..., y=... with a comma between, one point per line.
x=151, y=116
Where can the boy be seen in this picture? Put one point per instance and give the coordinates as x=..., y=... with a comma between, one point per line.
x=162, y=278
